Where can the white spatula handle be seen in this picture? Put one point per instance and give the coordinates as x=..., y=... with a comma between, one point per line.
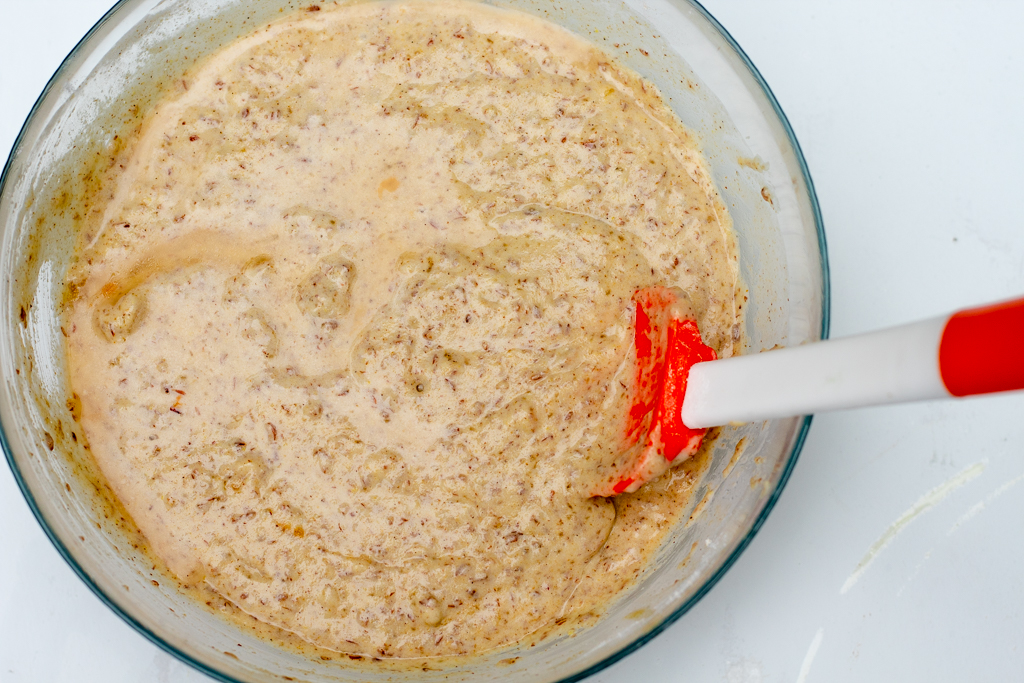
x=971, y=352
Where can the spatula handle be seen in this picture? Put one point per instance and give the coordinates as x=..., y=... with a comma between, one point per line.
x=976, y=351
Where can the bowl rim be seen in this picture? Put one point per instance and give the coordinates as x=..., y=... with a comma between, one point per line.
x=805, y=423
x=604, y=663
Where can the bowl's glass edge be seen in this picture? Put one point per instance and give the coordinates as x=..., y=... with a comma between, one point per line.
x=611, y=659
x=62, y=550
x=826, y=305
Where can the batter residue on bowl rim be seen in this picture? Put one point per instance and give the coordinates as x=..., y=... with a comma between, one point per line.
x=352, y=336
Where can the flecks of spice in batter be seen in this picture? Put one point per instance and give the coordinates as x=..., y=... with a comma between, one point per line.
x=352, y=338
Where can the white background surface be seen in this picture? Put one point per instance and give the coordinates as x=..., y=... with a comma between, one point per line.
x=911, y=115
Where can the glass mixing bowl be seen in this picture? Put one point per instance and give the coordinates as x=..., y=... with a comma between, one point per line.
x=103, y=88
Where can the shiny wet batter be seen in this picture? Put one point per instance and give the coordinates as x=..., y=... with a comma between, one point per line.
x=352, y=338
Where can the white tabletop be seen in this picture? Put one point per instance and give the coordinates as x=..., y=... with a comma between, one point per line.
x=911, y=115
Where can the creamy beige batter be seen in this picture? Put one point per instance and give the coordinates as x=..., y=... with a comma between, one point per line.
x=352, y=337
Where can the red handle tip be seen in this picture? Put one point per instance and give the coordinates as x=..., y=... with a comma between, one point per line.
x=982, y=350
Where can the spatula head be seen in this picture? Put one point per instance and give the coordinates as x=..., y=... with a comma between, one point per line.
x=667, y=343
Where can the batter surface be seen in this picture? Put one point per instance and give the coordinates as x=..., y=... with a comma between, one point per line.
x=352, y=338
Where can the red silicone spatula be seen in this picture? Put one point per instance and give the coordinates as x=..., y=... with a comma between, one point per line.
x=680, y=389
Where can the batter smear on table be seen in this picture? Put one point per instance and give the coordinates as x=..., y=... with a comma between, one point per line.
x=352, y=337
